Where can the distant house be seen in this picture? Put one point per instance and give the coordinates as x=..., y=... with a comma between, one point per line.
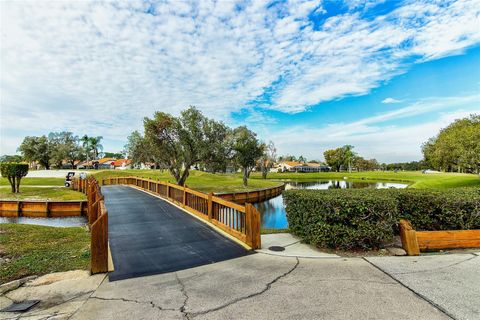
x=288, y=166
x=311, y=167
x=85, y=164
x=294, y=166
x=105, y=163
x=122, y=164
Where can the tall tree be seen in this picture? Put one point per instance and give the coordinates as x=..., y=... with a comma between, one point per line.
x=178, y=142
x=86, y=146
x=333, y=157
x=64, y=147
x=268, y=158
x=348, y=156
x=456, y=147
x=138, y=149
x=219, y=139
x=36, y=149
x=247, y=150
x=96, y=146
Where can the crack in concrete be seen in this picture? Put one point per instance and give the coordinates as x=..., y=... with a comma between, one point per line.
x=185, y=314
x=150, y=303
x=267, y=287
x=418, y=294
x=439, y=268
x=101, y=282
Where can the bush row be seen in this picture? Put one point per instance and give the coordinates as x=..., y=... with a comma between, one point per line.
x=366, y=218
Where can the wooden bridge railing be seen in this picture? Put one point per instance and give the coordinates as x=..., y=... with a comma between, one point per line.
x=98, y=222
x=241, y=222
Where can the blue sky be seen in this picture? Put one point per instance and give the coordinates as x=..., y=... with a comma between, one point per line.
x=383, y=76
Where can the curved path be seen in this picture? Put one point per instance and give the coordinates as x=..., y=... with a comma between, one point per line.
x=148, y=236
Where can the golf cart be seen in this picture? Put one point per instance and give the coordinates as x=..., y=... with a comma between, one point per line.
x=68, y=179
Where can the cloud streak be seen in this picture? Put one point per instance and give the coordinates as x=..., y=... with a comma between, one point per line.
x=390, y=100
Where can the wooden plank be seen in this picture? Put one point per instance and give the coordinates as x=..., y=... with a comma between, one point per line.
x=210, y=205
x=434, y=240
x=409, y=238
x=240, y=236
x=197, y=193
x=228, y=204
x=99, y=245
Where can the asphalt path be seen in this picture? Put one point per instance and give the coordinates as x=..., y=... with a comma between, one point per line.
x=149, y=236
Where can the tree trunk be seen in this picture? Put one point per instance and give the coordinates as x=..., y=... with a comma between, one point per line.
x=12, y=183
x=17, y=189
x=184, y=177
x=264, y=174
x=245, y=176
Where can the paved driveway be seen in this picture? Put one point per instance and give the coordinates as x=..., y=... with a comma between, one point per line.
x=150, y=236
x=261, y=286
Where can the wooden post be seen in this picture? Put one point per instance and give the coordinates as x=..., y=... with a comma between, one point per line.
x=99, y=245
x=210, y=206
x=184, y=196
x=19, y=208
x=92, y=214
x=256, y=234
x=252, y=226
x=409, y=238
x=248, y=224
x=47, y=209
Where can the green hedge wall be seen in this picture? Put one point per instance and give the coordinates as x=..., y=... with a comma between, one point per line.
x=366, y=218
x=451, y=209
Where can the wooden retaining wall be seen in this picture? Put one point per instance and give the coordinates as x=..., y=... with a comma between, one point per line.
x=98, y=222
x=252, y=196
x=13, y=208
x=415, y=241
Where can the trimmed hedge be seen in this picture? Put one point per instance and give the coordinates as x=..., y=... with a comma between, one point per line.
x=430, y=210
x=366, y=218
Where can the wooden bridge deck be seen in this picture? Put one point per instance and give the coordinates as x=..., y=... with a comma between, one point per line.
x=150, y=236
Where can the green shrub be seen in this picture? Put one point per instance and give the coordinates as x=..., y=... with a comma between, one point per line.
x=341, y=218
x=14, y=172
x=440, y=210
x=366, y=218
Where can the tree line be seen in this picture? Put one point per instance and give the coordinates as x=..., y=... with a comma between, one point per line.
x=193, y=140
x=56, y=148
x=456, y=147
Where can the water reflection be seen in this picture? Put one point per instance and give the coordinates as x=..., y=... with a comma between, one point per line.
x=273, y=210
x=51, y=222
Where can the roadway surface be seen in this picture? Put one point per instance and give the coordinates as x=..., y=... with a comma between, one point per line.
x=149, y=236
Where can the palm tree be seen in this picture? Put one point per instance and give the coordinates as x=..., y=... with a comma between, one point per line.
x=95, y=145
x=86, y=145
x=349, y=155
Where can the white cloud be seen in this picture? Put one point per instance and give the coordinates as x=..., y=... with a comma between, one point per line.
x=390, y=100
x=99, y=67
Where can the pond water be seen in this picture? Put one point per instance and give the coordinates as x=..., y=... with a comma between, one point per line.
x=51, y=222
x=273, y=211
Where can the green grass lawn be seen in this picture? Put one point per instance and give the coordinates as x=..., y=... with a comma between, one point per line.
x=415, y=179
x=38, y=250
x=36, y=182
x=198, y=180
x=41, y=193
